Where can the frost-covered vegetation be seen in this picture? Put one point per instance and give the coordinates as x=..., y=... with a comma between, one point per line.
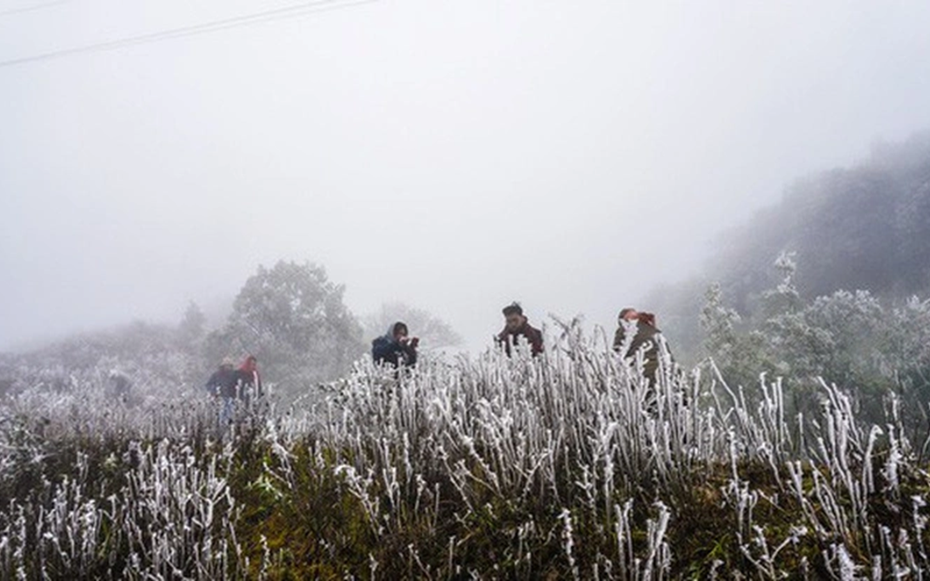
x=556, y=467
x=865, y=227
x=867, y=346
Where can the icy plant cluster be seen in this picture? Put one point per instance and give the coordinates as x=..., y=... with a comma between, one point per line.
x=583, y=435
x=96, y=488
x=865, y=345
x=568, y=465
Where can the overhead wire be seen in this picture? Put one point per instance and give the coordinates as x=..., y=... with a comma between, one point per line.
x=33, y=7
x=292, y=11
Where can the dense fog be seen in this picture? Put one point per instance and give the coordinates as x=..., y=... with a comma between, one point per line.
x=255, y=256
x=454, y=156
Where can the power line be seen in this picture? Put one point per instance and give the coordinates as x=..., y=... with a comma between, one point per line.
x=292, y=11
x=33, y=7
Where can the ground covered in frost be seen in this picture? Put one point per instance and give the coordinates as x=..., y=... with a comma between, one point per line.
x=558, y=467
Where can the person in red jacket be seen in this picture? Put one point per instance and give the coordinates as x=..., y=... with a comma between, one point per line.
x=248, y=379
x=517, y=326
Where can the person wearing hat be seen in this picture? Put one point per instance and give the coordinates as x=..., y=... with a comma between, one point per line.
x=516, y=325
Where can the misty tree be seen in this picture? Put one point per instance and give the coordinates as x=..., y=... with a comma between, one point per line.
x=294, y=320
x=740, y=356
x=784, y=298
x=795, y=347
x=718, y=323
x=434, y=333
x=190, y=334
x=869, y=348
x=193, y=325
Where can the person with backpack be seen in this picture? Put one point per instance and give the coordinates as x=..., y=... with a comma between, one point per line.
x=395, y=347
x=223, y=381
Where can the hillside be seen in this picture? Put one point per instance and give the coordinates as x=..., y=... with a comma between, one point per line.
x=865, y=227
x=557, y=467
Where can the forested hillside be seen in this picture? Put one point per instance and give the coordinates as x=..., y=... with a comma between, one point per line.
x=865, y=227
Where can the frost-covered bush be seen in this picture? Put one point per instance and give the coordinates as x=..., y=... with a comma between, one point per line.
x=170, y=518
x=869, y=349
x=574, y=445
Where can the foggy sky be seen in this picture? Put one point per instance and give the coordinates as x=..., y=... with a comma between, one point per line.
x=452, y=155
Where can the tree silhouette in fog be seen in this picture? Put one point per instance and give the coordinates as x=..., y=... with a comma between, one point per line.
x=293, y=318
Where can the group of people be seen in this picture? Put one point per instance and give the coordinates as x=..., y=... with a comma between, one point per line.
x=230, y=382
x=399, y=349
x=635, y=331
x=230, y=385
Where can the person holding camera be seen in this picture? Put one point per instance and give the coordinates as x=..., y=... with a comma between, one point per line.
x=396, y=347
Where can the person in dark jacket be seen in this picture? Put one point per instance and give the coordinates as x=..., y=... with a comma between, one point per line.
x=395, y=347
x=516, y=326
x=645, y=334
x=223, y=381
x=223, y=386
